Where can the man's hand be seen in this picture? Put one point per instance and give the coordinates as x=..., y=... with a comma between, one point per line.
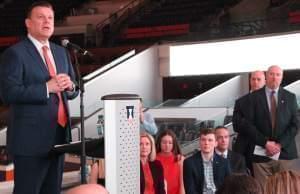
x=59, y=83
x=272, y=148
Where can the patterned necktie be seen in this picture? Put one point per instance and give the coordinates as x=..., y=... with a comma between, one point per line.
x=273, y=109
x=61, y=114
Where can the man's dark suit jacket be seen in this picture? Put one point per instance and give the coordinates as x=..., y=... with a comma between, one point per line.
x=193, y=172
x=33, y=116
x=241, y=121
x=258, y=128
x=237, y=162
x=157, y=171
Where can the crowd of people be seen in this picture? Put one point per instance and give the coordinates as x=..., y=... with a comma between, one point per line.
x=214, y=169
x=266, y=122
x=37, y=80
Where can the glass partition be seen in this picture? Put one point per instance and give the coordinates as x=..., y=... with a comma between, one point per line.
x=187, y=122
x=295, y=88
x=172, y=103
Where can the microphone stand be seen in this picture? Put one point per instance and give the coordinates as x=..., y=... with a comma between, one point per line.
x=82, y=131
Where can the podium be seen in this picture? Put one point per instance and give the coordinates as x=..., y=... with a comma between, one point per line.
x=121, y=142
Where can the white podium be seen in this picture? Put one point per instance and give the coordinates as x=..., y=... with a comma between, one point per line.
x=121, y=142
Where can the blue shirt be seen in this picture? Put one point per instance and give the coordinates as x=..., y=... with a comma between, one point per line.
x=148, y=124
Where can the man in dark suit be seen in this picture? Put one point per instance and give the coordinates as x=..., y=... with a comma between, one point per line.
x=272, y=124
x=236, y=161
x=241, y=118
x=36, y=81
x=205, y=171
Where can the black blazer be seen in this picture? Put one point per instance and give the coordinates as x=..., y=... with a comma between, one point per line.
x=242, y=125
x=33, y=116
x=193, y=172
x=259, y=127
x=240, y=121
x=237, y=162
x=157, y=175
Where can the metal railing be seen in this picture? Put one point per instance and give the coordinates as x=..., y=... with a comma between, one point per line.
x=113, y=22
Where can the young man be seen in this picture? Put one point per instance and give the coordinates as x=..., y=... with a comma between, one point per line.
x=236, y=161
x=36, y=81
x=205, y=171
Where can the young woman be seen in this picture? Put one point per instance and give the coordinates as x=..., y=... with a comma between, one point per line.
x=152, y=176
x=169, y=154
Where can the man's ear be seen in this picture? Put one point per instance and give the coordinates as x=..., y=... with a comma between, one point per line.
x=216, y=143
x=27, y=22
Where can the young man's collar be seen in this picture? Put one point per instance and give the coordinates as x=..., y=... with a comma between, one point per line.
x=206, y=157
x=224, y=154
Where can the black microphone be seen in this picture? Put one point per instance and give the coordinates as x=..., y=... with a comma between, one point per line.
x=66, y=43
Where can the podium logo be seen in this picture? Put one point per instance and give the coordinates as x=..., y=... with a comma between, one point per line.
x=130, y=115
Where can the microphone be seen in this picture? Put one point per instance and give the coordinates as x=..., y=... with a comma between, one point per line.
x=66, y=43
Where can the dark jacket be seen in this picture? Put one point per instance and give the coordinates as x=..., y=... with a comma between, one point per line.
x=157, y=172
x=33, y=115
x=240, y=121
x=258, y=127
x=237, y=162
x=193, y=172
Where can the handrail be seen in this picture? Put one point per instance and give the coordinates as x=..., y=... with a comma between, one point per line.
x=257, y=27
x=109, y=66
x=112, y=16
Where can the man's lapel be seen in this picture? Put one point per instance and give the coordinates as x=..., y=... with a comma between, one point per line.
x=38, y=61
x=264, y=104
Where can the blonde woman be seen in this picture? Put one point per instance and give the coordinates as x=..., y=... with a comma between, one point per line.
x=152, y=177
